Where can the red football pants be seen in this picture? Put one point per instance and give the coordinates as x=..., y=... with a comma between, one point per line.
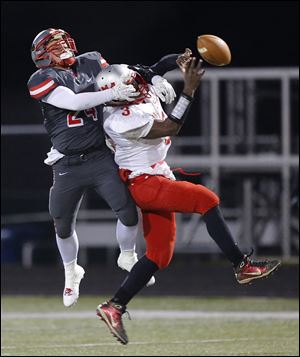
x=159, y=198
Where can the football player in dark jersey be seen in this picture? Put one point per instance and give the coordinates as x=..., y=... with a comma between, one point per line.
x=64, y=85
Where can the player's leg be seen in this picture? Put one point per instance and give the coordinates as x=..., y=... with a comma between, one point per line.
x=64, y=203
x=159, y=193
x=110, y=187
x=160, y=233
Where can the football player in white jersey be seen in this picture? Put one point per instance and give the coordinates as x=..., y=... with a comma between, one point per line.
x=140, y=133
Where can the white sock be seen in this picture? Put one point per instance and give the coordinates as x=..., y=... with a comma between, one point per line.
x=126, y=236
x=69, y=271
x=68, y=248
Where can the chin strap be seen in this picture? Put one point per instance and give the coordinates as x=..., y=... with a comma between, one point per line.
x=68, y=62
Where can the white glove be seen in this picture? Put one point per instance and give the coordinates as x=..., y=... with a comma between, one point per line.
x=163, y=89
x=124, y=92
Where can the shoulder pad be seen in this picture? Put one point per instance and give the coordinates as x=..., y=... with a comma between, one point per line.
x=134, y=124
x=42, y=82
x=94, y=56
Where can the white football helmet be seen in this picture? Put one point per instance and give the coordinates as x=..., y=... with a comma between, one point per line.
x=120, y=73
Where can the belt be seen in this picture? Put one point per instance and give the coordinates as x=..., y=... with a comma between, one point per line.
x=125, y=173
x=86, y=151
x=83, y=156
x=138, y=179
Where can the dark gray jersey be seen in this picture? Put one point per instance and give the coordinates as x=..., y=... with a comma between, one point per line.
x=71, y=132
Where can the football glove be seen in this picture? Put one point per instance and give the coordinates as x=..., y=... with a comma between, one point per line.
x=123, y=92
x=163, y=89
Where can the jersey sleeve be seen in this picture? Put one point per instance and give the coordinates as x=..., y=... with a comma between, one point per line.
x=135, y=127
x=41, y=83
x=103, y=62
x=96, y=56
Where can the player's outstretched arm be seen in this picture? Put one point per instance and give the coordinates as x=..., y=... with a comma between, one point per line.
x=170, y=62
x=65, y=98
x=165, y=64
x=153, y=74
x=192, y=73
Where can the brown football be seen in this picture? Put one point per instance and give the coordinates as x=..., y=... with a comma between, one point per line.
x=213, y=50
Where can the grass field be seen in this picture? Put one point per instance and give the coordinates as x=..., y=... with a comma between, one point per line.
x=160, y=326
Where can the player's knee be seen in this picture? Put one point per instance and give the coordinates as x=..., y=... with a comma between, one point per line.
x=214, y=200
x=164, y=261
x=64, y=232
x=161, y=259
x=128, y=215
x=62, y=229
x=208, y=201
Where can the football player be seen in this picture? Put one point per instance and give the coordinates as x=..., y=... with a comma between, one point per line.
x=140, y=132
x=64, y=85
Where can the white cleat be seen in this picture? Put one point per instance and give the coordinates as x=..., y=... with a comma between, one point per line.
x=72, y=282
x=127, y=260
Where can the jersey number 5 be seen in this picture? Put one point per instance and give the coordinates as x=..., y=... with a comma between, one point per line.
x=73, y=121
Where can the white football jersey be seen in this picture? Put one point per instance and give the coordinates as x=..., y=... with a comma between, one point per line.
x=126, y=127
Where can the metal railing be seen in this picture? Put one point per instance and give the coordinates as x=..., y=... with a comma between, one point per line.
x=241, y=85
x=231, y=96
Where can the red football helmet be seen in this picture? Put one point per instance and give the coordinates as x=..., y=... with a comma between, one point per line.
x=52, y=44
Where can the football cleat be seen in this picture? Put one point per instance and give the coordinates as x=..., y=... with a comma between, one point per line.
x=111, y=313
x=126, y=261
x=72, y=282
x=249, y=270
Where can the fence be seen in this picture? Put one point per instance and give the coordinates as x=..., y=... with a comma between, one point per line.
x=242, y=134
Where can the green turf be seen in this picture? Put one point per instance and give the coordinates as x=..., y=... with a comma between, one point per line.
x=150, y=337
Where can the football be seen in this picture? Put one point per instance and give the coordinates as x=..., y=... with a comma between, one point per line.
x=213, y=50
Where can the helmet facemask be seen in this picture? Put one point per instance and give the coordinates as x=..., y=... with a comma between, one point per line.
x=56, y=47
x=141, y=86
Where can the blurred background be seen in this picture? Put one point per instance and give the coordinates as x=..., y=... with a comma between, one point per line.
x=242, y=135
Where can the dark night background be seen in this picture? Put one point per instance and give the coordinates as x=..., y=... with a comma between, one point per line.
x=260, y=34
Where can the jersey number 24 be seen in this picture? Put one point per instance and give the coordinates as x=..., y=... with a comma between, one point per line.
x=73, y=120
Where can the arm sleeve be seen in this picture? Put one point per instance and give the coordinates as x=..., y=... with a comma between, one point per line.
x=64, y=98
x=165, y=64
